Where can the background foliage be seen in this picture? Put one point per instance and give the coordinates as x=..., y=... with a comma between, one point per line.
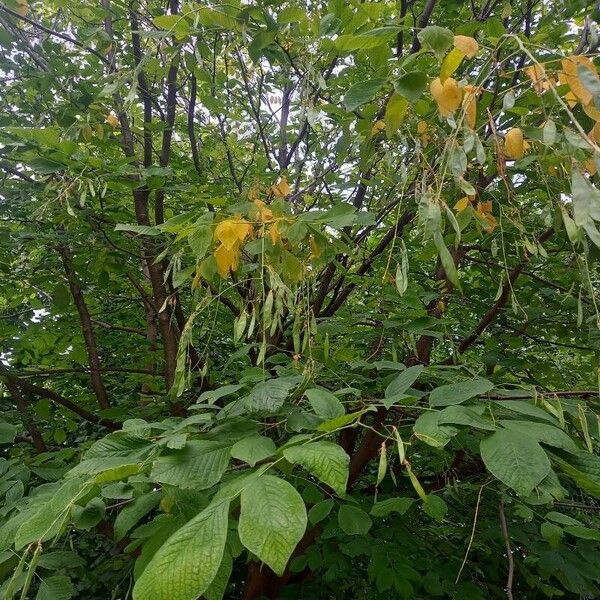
x=299, y=299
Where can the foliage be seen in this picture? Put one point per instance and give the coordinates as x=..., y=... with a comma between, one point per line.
x=299, y=299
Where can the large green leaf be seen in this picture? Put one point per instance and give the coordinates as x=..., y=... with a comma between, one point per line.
x=324, y=460
x=438, y=39
x=515, y=459
x=544, y=433
x=253, y=449
x=199, y=465
x=269, y=396
x=455, y=393
x=354, y=520
x=324, y=403
x=272, y=520
x=186, y=564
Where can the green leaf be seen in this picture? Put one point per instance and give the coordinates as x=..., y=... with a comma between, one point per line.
x=200, y=240
x=320, y=511
x=435, y=38
x=175, y=24
x=395, y=111
x=528, y=409
x=435, y=507
x=403, y=381
x=543, y=433
x=53, y=516
x=58, y=587
x=272, y=520
x=324, y=403
x=130, y=514
x=199, y=465
x=217, y=588
x=390, y=505
x=463, y=415
x=516, y=460
x=253, y=449
x=365, y=41
x=456, y=393
x=324, y=460
x=186, y=564
x=446, y=259
x=412, y=85
x=429, y=429
x=8, y=432
x=269, y=396
x=584, y=470
x=362, y=92
x=342, y=421
x=88, y=516
x=353, y=520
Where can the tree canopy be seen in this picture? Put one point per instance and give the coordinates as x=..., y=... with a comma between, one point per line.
x=299, y=299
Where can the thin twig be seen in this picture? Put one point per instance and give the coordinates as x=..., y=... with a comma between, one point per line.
x=464, y=562
x=505, y=537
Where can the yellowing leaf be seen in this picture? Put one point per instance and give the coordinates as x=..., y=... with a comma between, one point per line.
x=451, y=63
x=463, y=203
x=514, y=143
x=377, y=127
x=112, y=120
x=232, y=232
x=590, y=166
x=467, y=45
x=470, y=105
x=227, y=259
x=569, y=76
x=281, y=188
x=315, y=250
x=447, y=95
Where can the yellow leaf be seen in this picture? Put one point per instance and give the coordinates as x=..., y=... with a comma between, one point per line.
x=447, y=95
x=569, y=76
x=492, y=223
x=22, y=7
x=462, y=204
x=470, y=105
x=274, y=234
x=226, y=259
x=112, y=120
x=595, y=132
x=467, y=45
x=514, y=144
x=537, y=74
x=451, y=63
x=592, y=112
x=281, y=188
x=263, y=212
x=422, y=127
x=377, y=127
x=232, y=232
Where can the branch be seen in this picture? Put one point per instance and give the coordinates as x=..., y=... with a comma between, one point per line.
x=57, y=34
x=86, y=326
x=491, y=314
x=119, y=327
x=421, y=24
x=9, y=169
x=55, y=397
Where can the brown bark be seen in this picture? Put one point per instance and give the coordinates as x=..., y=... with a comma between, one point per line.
x=86, y=326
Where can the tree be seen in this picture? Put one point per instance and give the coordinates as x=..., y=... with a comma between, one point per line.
x=299, y=299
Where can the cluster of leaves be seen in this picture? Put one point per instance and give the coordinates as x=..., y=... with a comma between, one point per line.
x=299, y=299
